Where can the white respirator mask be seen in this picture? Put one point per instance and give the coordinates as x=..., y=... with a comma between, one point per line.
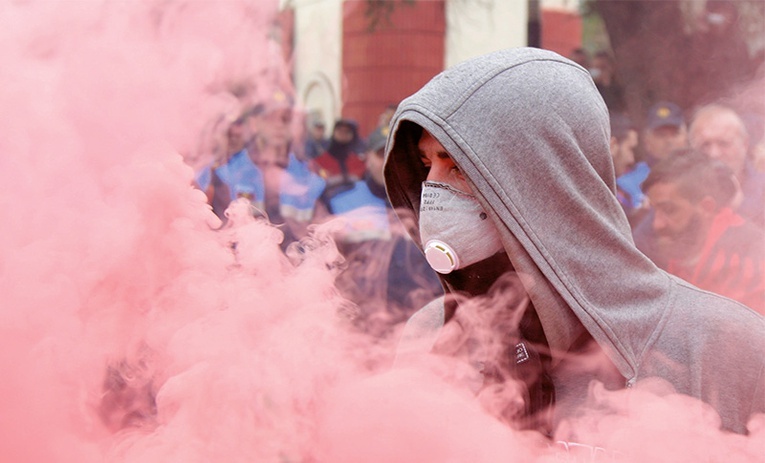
x=454, y=228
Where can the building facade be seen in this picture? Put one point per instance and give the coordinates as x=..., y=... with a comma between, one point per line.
x=347, y=63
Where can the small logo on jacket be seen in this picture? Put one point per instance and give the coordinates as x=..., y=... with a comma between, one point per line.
x=521, y=353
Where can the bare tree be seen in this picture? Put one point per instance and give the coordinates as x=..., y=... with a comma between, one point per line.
x=667, y=50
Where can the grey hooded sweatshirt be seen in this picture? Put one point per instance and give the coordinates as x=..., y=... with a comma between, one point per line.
x=530, y=132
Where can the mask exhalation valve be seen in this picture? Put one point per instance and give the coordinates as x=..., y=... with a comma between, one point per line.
x=441, y=256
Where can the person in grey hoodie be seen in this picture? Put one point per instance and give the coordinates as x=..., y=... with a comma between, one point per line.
x=504, y=160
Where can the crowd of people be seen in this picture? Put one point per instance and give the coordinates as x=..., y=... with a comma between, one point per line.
x=708, y=229
x=298, y=181
x=295, y=177
x=591, y=236
x=692, y=184
x=695, y=198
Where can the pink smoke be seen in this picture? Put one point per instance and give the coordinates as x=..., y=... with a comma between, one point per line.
x=131, y=329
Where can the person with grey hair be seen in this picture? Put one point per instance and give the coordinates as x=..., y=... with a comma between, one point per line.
x=719, y=132
x=504, y=161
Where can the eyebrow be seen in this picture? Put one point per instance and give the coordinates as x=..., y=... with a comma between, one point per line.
x=441, y=154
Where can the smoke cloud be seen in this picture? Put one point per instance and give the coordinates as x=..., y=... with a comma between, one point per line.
x=133, y=329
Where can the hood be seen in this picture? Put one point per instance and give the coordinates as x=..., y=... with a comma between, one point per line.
x=530, y=132
x=340, y=151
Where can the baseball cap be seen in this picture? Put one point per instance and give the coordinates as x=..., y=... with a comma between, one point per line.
x=663, y=114
x=272, y=101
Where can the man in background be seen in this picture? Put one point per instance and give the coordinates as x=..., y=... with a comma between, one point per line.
x=624, y=140
x=700, y=238
x=603, y=72
x=316, y=142
x=664, y=132
x=720, y=133
x=342, y=163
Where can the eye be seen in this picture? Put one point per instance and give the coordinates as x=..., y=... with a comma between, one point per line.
x=455, y=170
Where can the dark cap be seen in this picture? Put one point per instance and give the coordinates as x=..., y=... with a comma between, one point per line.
x=278, y=99
x=377, y=139
x=272, y=101
x=663, y=114
x=350, y=123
